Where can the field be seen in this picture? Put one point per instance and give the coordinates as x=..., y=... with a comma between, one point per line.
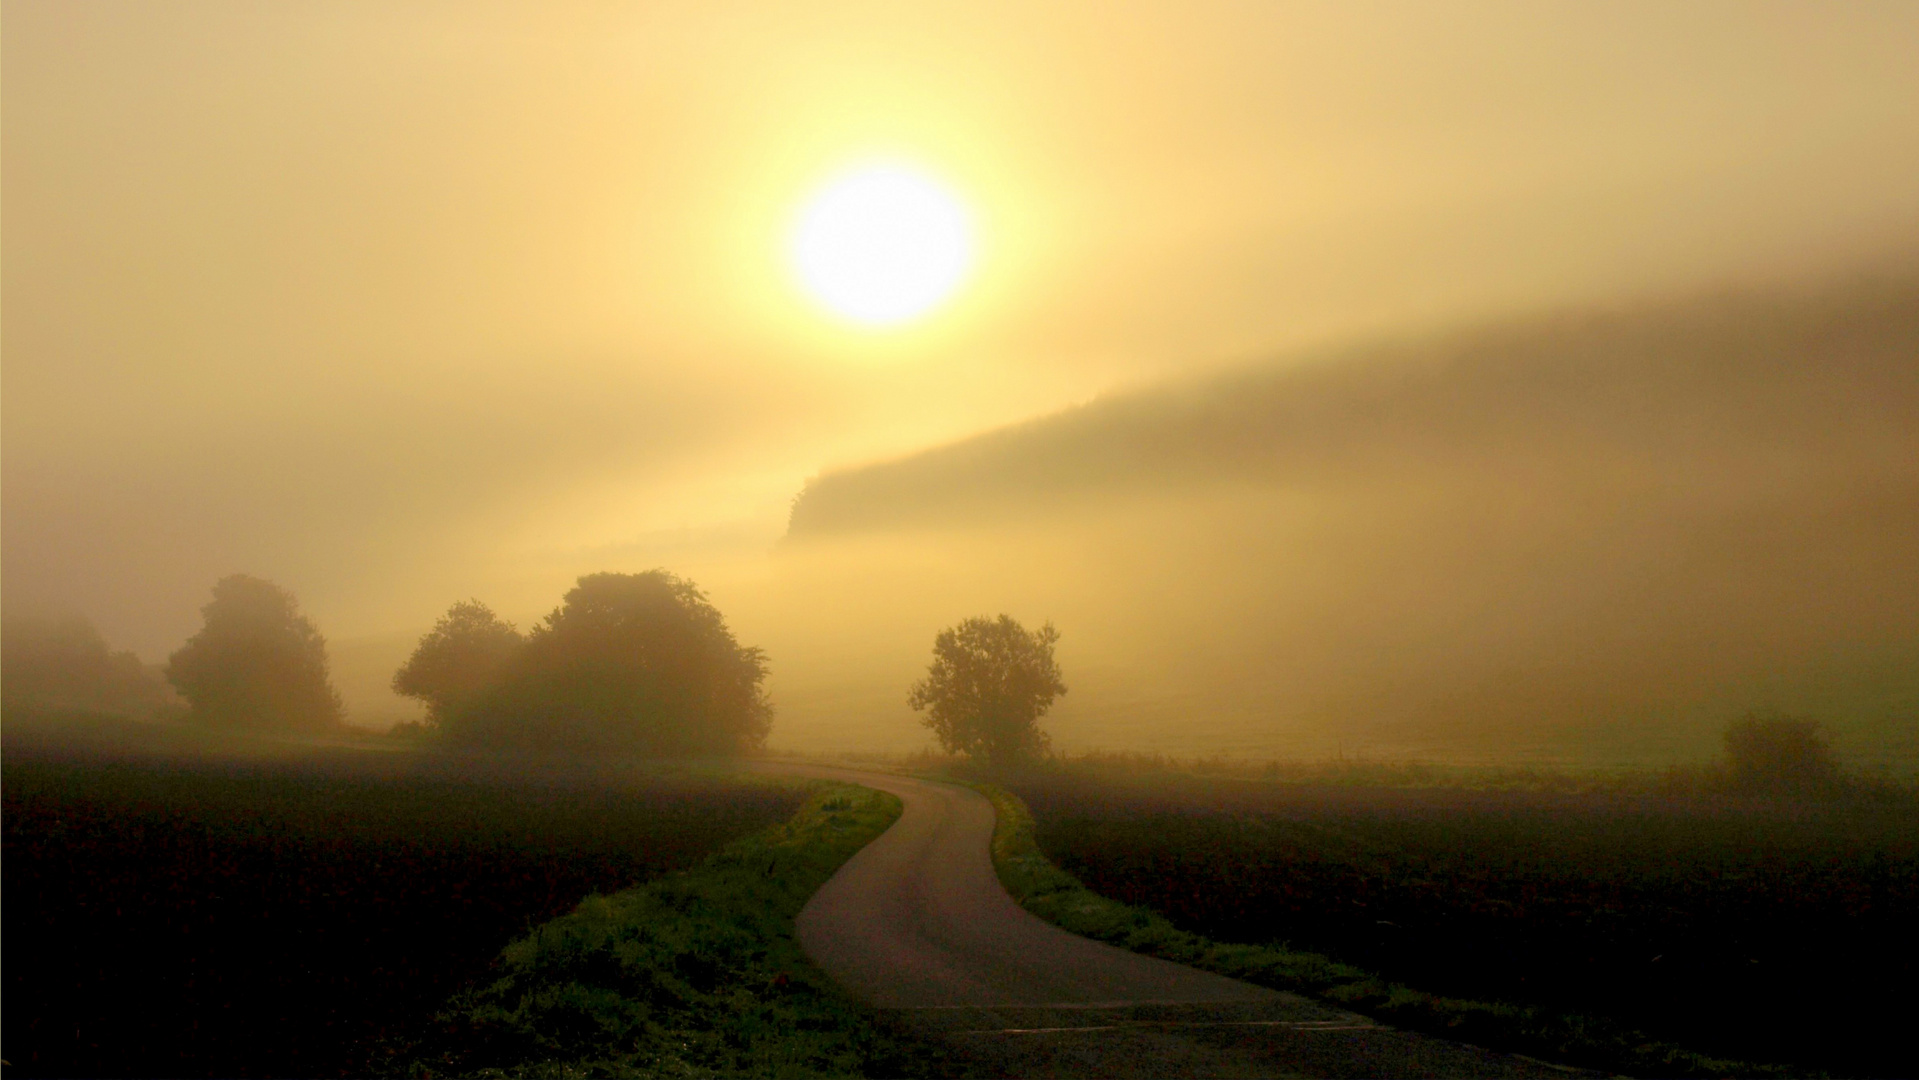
x=198, y=919
x=1762, y=931
x=696, y=974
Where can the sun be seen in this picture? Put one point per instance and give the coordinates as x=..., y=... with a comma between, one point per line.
x=882, y=244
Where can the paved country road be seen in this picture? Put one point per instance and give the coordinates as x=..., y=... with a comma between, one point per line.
x=917, y=922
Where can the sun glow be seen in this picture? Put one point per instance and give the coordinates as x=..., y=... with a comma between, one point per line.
x=882, y=244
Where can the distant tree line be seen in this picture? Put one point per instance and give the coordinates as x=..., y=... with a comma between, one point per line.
x=256, y=664
x=628, y=663
x=60, y=665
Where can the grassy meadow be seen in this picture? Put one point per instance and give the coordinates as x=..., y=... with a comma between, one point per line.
x=1659, y=925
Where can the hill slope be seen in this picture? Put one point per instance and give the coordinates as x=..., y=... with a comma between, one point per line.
x=1596, y=537
x=1742, y=387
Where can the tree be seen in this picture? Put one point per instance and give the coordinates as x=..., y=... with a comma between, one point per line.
x=989, y=683
x=463, y=656
x=257, y=663
x=51, y=664
x=1778, y=753
x=637, y=663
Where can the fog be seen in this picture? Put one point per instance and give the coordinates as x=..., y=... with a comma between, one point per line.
x=1594, y=538
x=399, y=306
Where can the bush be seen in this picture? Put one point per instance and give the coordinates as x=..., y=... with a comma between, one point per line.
x=1779, y=753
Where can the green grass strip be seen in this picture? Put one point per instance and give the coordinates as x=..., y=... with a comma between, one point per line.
x=694, y=974
x=1059, y=898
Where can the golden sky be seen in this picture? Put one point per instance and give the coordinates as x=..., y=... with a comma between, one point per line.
x=401, y=303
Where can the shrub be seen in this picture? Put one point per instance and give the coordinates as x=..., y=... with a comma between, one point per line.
x=1778, y=753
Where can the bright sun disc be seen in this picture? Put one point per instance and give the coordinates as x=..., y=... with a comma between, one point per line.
x=882, y=244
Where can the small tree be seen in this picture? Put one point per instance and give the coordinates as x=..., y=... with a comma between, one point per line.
x=1774, y=753
x=464, y=654
x=257, y=663
x=989, y=683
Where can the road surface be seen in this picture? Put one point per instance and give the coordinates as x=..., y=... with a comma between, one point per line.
x=917, y=923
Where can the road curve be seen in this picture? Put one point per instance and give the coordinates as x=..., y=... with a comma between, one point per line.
x=918, y=919
x=917, y=923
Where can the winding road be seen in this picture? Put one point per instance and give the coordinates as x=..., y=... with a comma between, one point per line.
x=917, y=923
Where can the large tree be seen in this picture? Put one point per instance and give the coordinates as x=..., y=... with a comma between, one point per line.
x=636, y=663
x=989, y=683
x=464, y=655
x=257, y=663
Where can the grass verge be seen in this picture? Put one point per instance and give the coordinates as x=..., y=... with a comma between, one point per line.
x=694, y=974
x=1059, y=898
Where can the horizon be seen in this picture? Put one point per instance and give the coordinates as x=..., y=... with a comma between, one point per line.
x=397, y=308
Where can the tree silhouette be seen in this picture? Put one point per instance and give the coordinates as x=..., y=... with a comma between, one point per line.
x=55, y=664
x=989, y=683
x=463, y=656
x=1779, y=753
x=636, y=663
x=257, y=663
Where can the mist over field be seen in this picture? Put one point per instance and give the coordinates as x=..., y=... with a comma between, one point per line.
x=1290, y=538
x=1587, y=538
x=1336, y=379
x=1594, y=537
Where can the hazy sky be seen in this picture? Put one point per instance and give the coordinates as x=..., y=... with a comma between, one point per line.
x=400, y=303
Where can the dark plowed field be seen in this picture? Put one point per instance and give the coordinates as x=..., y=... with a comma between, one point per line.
x=194, y=920
x=1770, y=931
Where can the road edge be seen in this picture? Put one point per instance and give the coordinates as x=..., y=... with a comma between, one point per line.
x=697, y=972
x=1535, y=1034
